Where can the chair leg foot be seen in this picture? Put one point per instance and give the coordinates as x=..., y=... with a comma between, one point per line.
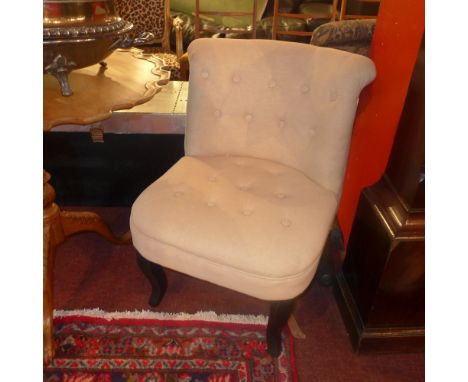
x=279, y=315
x=156, y=276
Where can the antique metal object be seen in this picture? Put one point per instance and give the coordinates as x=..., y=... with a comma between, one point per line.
x=79, y=33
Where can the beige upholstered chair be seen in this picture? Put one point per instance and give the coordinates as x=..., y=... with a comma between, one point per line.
x=250, y=205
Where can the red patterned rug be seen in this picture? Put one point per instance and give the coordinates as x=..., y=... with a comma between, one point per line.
x=145, y=346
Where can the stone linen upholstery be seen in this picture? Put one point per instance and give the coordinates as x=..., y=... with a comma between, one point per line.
x=250, y=205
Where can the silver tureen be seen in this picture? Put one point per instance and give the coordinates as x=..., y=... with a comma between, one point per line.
x=79, y=33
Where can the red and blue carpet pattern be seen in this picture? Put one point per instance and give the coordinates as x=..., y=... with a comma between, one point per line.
x=90, y=349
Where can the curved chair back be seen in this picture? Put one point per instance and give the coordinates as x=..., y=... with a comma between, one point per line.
x=294, y=105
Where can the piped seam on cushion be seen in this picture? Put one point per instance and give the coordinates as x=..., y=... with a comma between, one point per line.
x=265, y=277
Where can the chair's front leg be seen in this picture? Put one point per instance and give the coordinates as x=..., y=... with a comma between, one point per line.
x=156, y=276
x=279, y=315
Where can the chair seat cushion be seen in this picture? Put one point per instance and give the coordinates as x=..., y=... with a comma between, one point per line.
x=248, y=224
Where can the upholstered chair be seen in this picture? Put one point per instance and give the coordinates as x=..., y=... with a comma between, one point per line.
x=250, y=204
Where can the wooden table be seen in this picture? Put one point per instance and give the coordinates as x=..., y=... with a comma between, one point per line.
x=129, y=78
x=164, y=114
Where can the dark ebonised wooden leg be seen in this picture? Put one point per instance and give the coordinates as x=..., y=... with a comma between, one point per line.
x=156, y=276
x=279, y=315
x=325, y=273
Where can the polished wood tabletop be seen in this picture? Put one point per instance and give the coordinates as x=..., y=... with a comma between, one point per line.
x=129, y=78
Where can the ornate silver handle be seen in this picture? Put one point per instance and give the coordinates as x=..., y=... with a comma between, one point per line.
x=127, y=42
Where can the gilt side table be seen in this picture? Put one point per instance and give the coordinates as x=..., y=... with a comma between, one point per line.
x=127, y=78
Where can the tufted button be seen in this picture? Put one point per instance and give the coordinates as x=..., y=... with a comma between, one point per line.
x=217, y=113
x=244, y=188
x=333, y=95
x=305, y=88
x=281, y=123
x=248, y=117
x=246, y=212
x=280, y=195
x=236, y=79
x=212, y=178
x=211, y=204
x=312, y=132
x=286, y=222
x=272, y=84
x=178, y=193
x=204, y=74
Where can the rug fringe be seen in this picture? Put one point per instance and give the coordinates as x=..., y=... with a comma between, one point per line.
x=147, y=314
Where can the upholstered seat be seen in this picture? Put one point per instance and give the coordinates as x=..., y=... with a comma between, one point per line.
x=254, y=207
x=250, y=205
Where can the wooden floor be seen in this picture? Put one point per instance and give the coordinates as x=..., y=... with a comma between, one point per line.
x=91, y=273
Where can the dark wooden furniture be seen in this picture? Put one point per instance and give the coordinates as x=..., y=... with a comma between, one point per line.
x=380, y=289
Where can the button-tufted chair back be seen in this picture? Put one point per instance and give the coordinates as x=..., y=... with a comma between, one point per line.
x=286, y=102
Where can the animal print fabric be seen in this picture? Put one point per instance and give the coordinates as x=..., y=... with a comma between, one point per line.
x=170, y=60
x=148, y=16
x=145, y=15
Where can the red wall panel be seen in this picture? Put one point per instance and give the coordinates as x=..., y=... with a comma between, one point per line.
x=397, y=38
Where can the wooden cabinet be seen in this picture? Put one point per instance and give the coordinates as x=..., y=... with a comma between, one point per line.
x=380, y=289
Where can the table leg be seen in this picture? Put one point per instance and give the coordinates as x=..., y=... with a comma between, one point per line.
x=85, y=221
x=53, y=235
x=57, y=225
x=48, y=264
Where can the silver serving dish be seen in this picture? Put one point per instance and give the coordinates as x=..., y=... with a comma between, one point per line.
x=79, y=33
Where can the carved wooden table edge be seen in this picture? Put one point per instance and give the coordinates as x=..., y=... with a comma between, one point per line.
x=58, y=224
x=152, y=87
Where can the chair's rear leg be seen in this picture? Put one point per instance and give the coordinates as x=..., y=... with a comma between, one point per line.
x=156, y=276
x=279, y=315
